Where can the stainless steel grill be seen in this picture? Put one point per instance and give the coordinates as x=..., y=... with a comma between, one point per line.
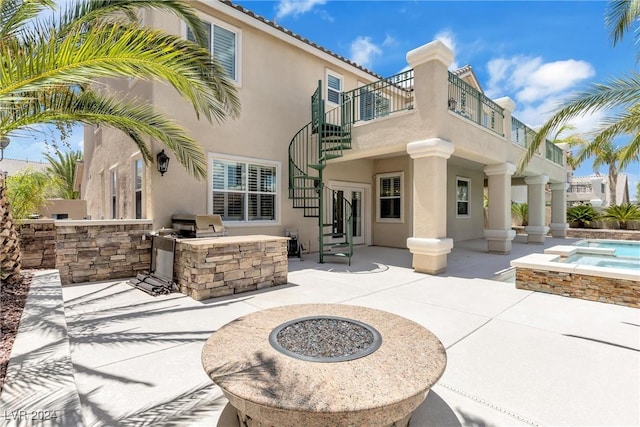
x=187, y=225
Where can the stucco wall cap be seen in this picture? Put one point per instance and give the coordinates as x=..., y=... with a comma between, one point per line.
x=435, y=50
x=430, y=147
x=424, y=246
x=506, y=103
x=500, y=169
x=538, y=179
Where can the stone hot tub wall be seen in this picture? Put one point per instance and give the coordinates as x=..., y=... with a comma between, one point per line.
x=209, y=268
x=87, y=250
x=592, y=288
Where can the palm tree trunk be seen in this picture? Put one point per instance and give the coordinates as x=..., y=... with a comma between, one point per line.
x=613, y=183
x=10, y=254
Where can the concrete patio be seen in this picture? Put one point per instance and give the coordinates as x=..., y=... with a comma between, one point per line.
x=514, y=357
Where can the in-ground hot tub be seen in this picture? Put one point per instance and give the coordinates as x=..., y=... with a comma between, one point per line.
x=318, y=365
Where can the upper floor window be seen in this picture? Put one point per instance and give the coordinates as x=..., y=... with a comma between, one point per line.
x=223, y=43
x=334, y=87
x=390, y=197
x=244, y=190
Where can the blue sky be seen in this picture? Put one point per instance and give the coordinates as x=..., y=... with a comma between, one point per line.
x=535, y=52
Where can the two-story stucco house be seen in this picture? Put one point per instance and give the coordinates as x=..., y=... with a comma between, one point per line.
x=333, y=150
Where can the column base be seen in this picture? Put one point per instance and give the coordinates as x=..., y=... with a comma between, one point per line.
x=536, y=233
x=429, y=255
x=559, y=229
x=499, y=241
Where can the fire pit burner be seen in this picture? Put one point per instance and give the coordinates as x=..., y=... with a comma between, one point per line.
x=325, y=339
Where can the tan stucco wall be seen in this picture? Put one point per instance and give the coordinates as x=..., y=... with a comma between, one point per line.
x=471, y=227
x=394, y=234
x=75, y=209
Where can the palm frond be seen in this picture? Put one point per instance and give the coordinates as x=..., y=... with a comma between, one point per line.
x=620, y=16
x=82, y=13
x=14, y=14
x=618, y=92
x=116, y=50
x=134, y=118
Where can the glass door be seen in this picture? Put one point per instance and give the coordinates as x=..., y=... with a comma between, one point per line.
x=355, y=196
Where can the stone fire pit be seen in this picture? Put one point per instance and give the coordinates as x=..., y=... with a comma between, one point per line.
x=318, y=365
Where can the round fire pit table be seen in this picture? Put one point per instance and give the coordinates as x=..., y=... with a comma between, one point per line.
x=318, y=365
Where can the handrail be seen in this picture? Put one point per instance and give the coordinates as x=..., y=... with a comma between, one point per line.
x=521, y=134
x=470, y=103
x=378, y=99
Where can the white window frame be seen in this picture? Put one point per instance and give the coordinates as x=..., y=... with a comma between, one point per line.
x=468, y=201
x=380, y=177
x=332, y=73
x=113, y=192
x=251, y=160
x=237, y=80
x=137, y=157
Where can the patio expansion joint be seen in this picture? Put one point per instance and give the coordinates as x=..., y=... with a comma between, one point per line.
x=489, y=404
x=494, y=317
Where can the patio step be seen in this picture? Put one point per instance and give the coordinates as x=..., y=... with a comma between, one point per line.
x=40, y=368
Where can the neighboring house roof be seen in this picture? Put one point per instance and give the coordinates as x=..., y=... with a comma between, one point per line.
x=466, y=73
x=13, y=166
x=298, y=37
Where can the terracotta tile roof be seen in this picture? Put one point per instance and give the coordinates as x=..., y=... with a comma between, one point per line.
x=298, y=37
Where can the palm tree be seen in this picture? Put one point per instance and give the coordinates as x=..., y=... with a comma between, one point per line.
x=622, y=94
x=63, y=168
x=604, y=154
x=50, y=66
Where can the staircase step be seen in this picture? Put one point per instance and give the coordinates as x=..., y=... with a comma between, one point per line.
x=316, y=166
x=334, y=148
x=337, y=245
x=334, y=235
x=326, y=157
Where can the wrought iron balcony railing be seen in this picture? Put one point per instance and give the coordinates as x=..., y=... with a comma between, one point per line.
x=472, y=104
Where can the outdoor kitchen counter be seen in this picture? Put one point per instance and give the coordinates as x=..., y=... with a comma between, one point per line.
x=213, y=267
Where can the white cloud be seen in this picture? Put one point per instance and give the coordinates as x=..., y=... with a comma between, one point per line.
x=296, y=7
x=448, y=38
x=389, y=41
x=539, y=87
x=364, y=51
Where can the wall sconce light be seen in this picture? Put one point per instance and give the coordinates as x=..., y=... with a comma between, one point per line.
x=162, y=161
x=4, y=143
x=452, y=104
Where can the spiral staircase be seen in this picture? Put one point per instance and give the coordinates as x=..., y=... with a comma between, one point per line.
x=324, y=138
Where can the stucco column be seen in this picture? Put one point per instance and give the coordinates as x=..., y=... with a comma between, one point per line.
x=499, y=234
x=559, y=224
x=429, y=244
x=536, y=230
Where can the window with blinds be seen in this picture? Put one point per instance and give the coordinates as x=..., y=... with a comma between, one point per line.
x=223, y=45
x=244, y=191
x=334, y=88
x=390, y=197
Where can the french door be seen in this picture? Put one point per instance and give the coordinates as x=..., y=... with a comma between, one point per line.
x=357, y=195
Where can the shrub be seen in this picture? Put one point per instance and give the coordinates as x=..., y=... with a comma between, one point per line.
x=622, y=213
x=520, y=211
x=582, y=214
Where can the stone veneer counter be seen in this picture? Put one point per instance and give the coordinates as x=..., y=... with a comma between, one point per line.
x=269, y=388
x=218, y=266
